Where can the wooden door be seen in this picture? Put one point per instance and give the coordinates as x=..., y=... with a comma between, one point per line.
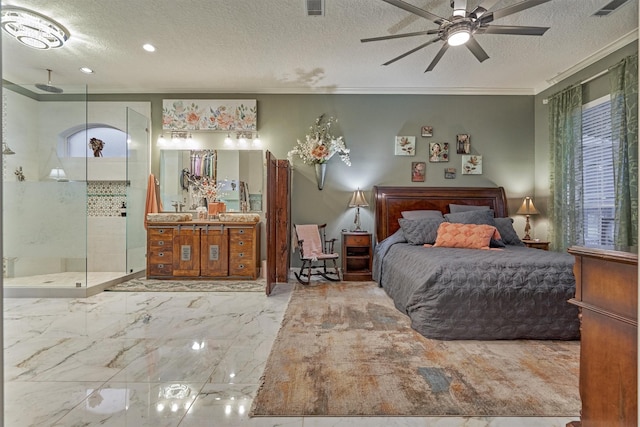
x=214, y=251
x=278, y=217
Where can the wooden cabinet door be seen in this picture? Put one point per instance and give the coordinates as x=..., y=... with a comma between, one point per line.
x=186, y=251
x=214, y=251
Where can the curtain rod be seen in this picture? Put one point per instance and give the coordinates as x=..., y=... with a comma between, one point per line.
x=545, y=101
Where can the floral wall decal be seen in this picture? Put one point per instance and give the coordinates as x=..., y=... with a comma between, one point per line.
x=210, y=114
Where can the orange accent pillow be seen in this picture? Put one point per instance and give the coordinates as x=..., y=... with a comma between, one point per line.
x=470, y=236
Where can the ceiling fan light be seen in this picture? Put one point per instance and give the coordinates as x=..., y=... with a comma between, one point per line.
x=458, y=37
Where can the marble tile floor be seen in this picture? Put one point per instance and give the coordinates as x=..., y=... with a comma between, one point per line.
x=158, y=359
x=64, y=284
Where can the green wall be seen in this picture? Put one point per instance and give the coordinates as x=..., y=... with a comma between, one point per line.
x=501, y=129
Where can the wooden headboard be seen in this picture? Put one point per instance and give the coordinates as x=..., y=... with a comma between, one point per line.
x=390, y=202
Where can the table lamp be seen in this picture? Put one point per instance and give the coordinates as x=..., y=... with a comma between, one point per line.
x=527, y=209
x=357, y=201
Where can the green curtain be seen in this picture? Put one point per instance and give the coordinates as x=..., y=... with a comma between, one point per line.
x=624, y=136
x=565, y=132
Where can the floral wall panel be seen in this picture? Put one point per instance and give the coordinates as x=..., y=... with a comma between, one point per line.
x=210, y=114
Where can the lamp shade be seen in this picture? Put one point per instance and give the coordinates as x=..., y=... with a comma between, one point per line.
x=527, y=207
x=58, y=174
x=358, y=200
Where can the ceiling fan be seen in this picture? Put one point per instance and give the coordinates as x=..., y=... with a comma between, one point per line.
x=462, y=26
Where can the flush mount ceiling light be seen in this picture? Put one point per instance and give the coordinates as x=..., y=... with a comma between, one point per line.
x=33, y=29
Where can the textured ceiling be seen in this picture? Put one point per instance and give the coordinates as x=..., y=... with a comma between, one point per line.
x=271, y=46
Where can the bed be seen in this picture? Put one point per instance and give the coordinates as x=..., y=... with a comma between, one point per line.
x=508, y=292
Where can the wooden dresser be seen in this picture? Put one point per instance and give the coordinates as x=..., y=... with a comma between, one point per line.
x=203, y=249
x=607, y=294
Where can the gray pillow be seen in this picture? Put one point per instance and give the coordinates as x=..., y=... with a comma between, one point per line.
x=507, y=232
x=466, y=208
x=420, y=231
x=478, y=217
x=418, y=214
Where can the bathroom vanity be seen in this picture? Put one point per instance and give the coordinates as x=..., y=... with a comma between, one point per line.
x=203, y=249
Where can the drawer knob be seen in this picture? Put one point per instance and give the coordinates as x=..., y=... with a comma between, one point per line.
x=241, y=254
x=160, y=253
x=240, y=243
x=241, y=266
x=241, y=231
x=161, y=231
x=160, y=265
x=160, y=242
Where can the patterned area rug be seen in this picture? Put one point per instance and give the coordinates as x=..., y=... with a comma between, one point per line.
x=155, y=285
x=345, y=350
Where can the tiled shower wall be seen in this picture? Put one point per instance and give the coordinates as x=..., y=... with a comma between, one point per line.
x=105, y=198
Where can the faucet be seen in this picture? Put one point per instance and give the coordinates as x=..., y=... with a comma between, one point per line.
x=177, y=206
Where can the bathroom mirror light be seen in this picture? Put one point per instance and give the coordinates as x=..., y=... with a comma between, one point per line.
x=242, y=140
x=33, y=29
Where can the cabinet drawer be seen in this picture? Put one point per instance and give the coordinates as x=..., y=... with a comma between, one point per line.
x=241, y=267
x=161, y=256
x=161, y=243
x=354, y=240
x=165, y=269
x=160, y=233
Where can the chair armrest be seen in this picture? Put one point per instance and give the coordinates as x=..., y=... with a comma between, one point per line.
x=329, y=244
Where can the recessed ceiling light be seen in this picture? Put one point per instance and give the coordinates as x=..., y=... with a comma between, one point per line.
x=149, y=47
x=33, y=29
x=86, y=70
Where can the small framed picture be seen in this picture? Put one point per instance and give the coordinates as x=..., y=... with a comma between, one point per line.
x=426, y=131
x=449, y=173
x=471, y=165
x=438, y=152
x=463, y=145
x=405, y=146
x=418, y=170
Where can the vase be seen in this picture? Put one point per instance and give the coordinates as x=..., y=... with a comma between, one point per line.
x=321, y=170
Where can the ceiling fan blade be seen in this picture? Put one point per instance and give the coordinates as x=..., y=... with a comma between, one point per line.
x=482, y=8
x=509, y=10
x=477, y=50
x=397, y=36
x=422, y=46
x=514, y=30
x=417, y=11
x=460, y=8
x=438, y=56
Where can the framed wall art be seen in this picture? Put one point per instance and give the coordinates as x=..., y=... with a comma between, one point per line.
x=463, y=143
x=426, y=131
x=418, y=170
x=471, y=165
x=438, y=152
x=449, y=173
x=405, y=146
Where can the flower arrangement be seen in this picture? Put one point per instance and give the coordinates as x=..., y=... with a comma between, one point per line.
x=211, y=190
x=320, y=145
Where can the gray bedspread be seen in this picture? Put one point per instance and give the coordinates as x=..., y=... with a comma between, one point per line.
x=514, y=293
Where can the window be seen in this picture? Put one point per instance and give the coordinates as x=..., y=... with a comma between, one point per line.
x=597, y=173
x=115, y=141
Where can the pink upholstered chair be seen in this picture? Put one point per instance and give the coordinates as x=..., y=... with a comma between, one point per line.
x=316, y=252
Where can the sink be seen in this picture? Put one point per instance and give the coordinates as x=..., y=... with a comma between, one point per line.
x=238, y=217
x=169, y=217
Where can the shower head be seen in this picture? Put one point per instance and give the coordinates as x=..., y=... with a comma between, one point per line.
x=49, y=87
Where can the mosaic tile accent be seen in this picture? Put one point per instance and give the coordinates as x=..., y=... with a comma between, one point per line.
x=105, y=198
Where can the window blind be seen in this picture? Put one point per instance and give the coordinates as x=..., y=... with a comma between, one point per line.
x=598, y=179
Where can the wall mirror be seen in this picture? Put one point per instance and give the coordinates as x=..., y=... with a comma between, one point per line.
x=238, y=172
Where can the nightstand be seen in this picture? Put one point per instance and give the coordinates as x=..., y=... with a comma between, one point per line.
x=356, y=256
x=536, y=244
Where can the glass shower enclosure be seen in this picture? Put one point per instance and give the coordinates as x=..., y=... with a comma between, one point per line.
x=73, y=220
